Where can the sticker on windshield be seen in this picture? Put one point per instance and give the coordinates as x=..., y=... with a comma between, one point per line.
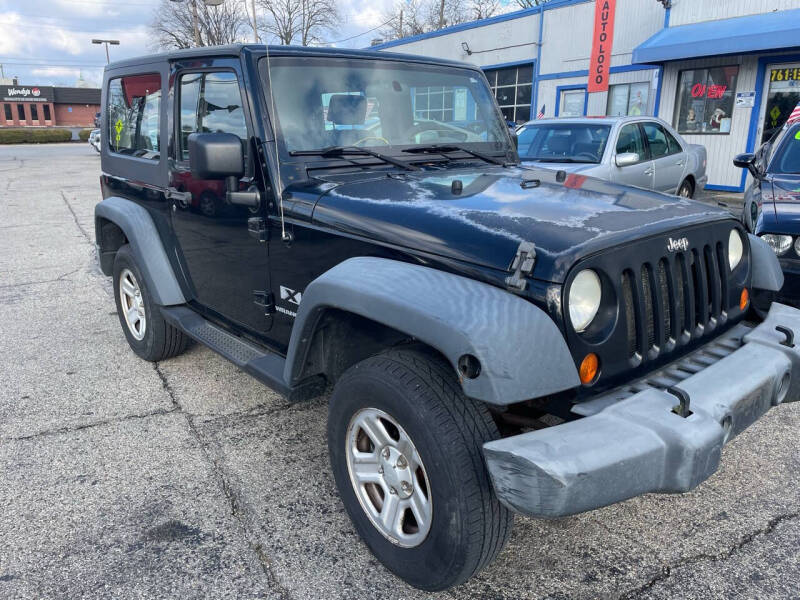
x=797, y=135
x=118, y=128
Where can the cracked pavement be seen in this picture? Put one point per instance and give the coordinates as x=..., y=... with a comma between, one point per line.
x=189, y=479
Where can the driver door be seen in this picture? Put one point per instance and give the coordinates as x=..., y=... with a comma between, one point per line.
x=631, y=139
x=225, y=265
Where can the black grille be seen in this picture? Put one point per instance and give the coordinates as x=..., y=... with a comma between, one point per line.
x=673, y=299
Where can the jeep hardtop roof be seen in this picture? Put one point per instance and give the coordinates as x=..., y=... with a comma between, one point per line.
x=238, y=49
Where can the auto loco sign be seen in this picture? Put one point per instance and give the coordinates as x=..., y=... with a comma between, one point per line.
x=21, y=93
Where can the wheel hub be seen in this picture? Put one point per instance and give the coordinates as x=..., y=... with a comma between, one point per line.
x=396, y=472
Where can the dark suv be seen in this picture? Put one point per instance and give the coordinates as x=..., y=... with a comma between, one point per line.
x=497, y=338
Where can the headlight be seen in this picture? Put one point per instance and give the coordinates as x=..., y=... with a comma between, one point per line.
x=584, y=299
x=797, y=246
x=780, y=244
x=735, y=248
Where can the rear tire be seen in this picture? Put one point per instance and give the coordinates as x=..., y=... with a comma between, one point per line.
x=686, y=190
x=423, y=410
x=148, y=333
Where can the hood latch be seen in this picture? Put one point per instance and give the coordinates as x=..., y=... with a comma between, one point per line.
x=522, y=265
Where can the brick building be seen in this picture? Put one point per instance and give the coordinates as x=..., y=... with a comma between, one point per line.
x=46, y=106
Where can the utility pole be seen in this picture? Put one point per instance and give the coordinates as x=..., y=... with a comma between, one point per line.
x=194, y=23
x=255, y=23
x=401, y=23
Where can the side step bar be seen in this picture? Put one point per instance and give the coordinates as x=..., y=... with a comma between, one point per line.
x=262, y=364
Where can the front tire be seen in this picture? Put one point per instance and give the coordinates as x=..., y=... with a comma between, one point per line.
x=406, y=452
x=148, y=333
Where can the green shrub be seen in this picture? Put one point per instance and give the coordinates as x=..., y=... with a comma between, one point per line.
x=83, y=135
x=34, y=136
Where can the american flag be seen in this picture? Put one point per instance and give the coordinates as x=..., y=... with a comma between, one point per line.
x=795, y=116
x=541, y=112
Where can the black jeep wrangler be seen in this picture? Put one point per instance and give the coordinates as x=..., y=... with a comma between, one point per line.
x=498, y=339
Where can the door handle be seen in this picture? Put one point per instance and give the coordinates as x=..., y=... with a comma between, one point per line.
x=679, y=163
x=648, y=172
x=182, y=198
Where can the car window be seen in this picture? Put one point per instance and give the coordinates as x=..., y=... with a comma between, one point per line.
x=674, y=144
x=563, y=142
x=630, y=140
x=134, y=104
x=210, y=103
x=786, y=159
x=658, y=139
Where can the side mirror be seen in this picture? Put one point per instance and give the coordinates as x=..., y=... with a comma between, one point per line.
x=626, y=159
x=747, y=161
x=215, y=155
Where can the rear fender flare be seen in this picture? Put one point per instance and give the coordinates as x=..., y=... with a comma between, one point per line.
x=521, y=351
x=142, y=235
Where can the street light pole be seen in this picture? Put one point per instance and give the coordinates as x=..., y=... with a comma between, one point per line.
x=195, y=19
x=106, y=44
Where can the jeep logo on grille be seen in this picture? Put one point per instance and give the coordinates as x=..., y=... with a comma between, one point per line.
x=681, y=244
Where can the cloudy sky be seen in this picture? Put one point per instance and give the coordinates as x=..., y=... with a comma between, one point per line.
x=48, y=42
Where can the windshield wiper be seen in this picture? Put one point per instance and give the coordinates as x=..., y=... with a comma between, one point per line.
x=448, y=148
x=338, y=151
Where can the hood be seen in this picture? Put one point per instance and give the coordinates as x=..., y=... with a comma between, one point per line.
x=497, y=209
x=781, y=205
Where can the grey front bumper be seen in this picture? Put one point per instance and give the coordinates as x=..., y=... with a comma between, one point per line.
x=639, y=445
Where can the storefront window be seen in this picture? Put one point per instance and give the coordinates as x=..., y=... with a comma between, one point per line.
x=34, y=112
x=7, y=110
x=46, y=108
x=21, y=111
x=512, y=88
x=572, y=103
x=704, y=103
x=629, y=99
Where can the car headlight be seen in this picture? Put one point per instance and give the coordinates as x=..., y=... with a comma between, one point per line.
x=797, y=246
x=779, y=243
x=584, y=299
x=735, y=248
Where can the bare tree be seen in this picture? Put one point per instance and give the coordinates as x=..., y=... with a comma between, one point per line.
x=529, y=3
x=303, y=22
x=193, y=23
x=412, y=17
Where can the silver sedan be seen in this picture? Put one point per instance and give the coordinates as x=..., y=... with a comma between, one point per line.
x=641, y=151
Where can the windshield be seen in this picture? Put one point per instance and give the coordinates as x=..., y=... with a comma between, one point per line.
x=786, y=160
x=325, y=102
x=563, y=142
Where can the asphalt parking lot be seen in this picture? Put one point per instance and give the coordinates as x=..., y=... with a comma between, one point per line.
x=187, y=478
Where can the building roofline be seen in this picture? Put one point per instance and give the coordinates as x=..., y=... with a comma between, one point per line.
x=517, y=14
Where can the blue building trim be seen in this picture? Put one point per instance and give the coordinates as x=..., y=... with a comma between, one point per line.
x=666, y=16
x=657, y=105
x=585, y=72
x=561, y=88
x=535, y=91
x=724, y=188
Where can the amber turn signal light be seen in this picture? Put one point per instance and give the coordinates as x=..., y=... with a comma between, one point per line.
x=589, y=368
x=744, y=299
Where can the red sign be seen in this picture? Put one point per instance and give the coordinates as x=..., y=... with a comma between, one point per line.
x=602, y=40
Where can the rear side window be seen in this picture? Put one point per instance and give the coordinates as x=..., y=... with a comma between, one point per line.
x=210, y=103
x=134, y=106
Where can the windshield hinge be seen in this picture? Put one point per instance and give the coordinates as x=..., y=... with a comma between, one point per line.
x=522, y=265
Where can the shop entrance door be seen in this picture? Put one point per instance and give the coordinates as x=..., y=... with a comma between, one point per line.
x=782, y=84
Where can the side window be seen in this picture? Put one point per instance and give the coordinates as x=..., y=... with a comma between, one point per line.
x=674, y=145
x=134, y=104
x=630, y=140
x=210, y=103
x=657, y=140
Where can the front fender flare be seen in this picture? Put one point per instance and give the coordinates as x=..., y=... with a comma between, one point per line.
x=142, y=235
x=767, y=273
x=521, y=351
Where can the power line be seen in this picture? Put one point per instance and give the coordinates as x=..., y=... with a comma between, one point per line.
x=352, y=37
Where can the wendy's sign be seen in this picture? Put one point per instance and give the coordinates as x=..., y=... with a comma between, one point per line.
x=602, y=40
